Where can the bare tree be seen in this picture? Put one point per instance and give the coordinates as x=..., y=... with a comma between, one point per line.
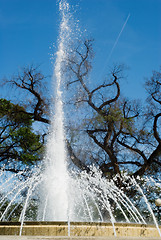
x=124, y=135
x=33, y=107
x=112, y=116
x=145, y=142
x=118, y=126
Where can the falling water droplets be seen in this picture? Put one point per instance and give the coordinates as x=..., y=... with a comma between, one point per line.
x=74, y=196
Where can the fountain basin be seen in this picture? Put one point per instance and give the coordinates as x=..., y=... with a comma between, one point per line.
x=81, y=229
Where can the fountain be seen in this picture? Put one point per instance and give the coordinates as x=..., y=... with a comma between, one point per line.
x=70, y=203
x=56, y=184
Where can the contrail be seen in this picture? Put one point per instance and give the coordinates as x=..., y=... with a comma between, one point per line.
x=115, y=43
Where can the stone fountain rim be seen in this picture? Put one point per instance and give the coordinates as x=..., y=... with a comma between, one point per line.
x=79, y=229
x=60, y=223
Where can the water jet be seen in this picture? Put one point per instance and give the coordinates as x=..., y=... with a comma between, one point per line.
x=71, y=203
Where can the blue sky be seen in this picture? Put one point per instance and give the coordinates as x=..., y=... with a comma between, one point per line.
x=28, y=28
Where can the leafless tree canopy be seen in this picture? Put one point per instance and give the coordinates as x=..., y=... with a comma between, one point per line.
x=122, y=134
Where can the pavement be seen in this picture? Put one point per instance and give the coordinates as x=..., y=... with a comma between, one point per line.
x=72, y=238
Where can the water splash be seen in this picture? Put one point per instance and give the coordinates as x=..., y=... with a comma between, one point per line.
x=56, y=182
x=90, y=197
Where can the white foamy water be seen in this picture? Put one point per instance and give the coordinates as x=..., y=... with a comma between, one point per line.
x=68, y=196
x=56, y=180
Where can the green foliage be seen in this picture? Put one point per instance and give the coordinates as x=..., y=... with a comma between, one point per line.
x=32, y=210
x=28, y=144
x=13, y=113
x=18, y=142
x=15, y=209
x=111, y=116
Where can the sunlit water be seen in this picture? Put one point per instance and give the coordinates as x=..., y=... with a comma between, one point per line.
x=55, y=186
x=56, y=194
x=90, y=198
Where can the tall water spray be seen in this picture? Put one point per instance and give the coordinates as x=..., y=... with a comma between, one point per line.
x=90, y=197
x=56, y=181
